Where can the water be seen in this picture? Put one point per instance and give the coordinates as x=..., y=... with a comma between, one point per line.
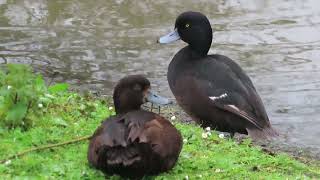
x=92, y=44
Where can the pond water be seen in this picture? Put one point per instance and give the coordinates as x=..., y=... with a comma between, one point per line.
x=92, y=44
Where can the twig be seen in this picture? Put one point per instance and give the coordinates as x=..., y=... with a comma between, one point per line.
x=16, y=98
x=44, y=147
x=29, y=105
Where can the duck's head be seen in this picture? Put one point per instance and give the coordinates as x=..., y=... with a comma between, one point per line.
x=193, y=28
x=133, y=91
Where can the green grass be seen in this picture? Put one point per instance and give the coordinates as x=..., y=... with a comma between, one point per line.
x=66, y=116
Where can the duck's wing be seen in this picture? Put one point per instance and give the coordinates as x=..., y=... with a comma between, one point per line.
x=164, y=138
x=156, y=131
x=110, y=134
x=227, y=87
x=124, y=140
x=110, y=146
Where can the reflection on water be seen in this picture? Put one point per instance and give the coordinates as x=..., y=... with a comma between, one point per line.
x=92, y=44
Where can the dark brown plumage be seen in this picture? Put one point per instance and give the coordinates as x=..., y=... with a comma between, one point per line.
x=134, y=142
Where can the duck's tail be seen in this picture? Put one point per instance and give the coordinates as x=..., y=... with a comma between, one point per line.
x=267, y=133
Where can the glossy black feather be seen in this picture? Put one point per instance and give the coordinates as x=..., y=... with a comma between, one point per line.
x=213, y=89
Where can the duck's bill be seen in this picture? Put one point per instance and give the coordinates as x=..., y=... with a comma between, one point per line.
x=171, y=37
x=156, y=99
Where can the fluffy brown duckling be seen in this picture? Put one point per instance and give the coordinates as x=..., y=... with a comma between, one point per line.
x=135, y=142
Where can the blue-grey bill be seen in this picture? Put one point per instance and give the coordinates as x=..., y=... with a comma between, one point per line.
x=171, y=37
x=156, y=99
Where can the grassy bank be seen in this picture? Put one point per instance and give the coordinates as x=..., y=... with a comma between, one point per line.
x=60, y=115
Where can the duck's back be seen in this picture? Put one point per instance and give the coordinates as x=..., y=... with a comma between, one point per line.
x=135, y=144
x=216, y=90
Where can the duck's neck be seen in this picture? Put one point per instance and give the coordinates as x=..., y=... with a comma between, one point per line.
x=194, y=54
x=125, y=108
x=200, y=49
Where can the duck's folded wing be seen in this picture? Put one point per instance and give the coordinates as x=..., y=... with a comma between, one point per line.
x=241, y=113
x=164, y=140
x=257, y=128
x=230, y=89
x=243, y=93
x=110, y=145
x=247, y=107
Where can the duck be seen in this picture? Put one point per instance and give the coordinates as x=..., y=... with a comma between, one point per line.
x=134, y=142
x=212, y=88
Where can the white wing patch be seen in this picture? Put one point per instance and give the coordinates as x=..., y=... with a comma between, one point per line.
x=234, y=107
x=245, y=115
x=213, y=98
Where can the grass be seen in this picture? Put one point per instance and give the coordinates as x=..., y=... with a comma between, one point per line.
x=68, y=115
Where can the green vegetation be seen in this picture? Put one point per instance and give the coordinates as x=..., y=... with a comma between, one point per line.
x=20, y=91
x=66, y=115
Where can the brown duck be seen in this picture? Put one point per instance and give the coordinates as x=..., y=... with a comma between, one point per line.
x=134, y=142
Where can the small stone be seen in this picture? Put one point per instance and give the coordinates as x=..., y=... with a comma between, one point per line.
x=40, y=105
x=186, y=177
x=221, y=136
x=218, y=170
x=185, y=140
x=9, y=87
x=204, y=135
x=173, y=118
x=110, y=108
x=208, y=129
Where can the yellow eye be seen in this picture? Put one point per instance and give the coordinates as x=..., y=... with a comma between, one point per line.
x=187, y=25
